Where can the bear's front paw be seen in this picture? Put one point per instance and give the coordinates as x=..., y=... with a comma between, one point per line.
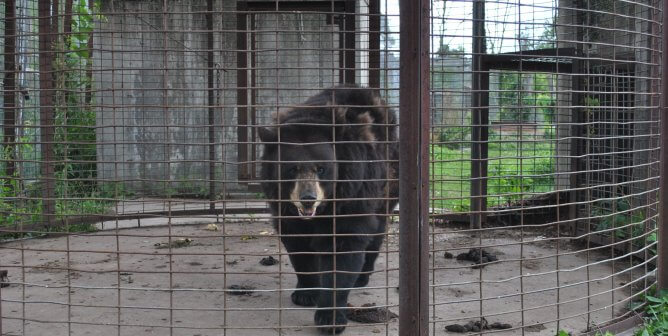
x=331, y=321
x=362, y=280
x=305, y=297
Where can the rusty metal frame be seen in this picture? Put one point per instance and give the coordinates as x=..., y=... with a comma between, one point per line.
x=413, y=168
x=414, y=179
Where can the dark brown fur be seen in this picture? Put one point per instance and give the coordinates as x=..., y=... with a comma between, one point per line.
x=348, y=135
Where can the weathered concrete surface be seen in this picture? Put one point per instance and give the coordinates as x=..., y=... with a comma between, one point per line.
x=152, y=89
x=152, y=95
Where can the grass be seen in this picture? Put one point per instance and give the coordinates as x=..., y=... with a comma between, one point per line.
x=25, y=209
x=29, y=213
x=656, y=320
x=656, y=311
x=513, y=171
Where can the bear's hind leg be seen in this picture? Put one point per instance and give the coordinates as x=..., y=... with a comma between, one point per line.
x=371, y=254
x=369, y=261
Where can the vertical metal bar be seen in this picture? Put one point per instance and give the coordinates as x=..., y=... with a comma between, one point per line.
x=67, y=22
x=577, y=143
x=46, y=114
x=374, y=43
x=349, y=42
x=9, y=92
x=1, y=333
x=577, y=129
x=479, y=119
x=413, y=168
x=242, y=91
x=211, y=101
x=342, y=54
x=252, y=110
x=662, y=250
x=88, y=96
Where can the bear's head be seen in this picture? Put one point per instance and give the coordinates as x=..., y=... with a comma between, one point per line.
x=299, y=169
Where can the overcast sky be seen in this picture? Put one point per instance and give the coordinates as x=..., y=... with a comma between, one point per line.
x=502, y=17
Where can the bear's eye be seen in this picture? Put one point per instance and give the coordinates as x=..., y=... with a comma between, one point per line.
x=321, y=170
x=292, y=171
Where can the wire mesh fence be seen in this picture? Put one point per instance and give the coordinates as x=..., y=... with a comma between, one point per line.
x=233, y=167
x=559, y=151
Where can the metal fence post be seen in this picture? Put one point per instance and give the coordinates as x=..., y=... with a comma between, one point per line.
x=662, y=251
x=47, y=26
x=413, y=173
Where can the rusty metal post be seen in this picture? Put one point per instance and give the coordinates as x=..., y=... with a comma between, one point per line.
x=349, y=43
x=662, y=250
x=374, y=44
x=413, y=168
x=88, y=96
x=67, y=23
x=479, y=119
x=46, y=110
x=9, y=92
x=211, y=101
x=242, y=91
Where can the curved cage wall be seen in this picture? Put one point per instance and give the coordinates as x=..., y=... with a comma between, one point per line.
x=235, y=167
x=544, y=162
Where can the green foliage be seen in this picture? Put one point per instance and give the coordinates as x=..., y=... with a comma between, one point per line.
x=627, y=223
x=510, y=173
x=512, y=98
x=518, y=103
x=455, y=137
x=656, y=322
x=75, y=135
x=74, y=149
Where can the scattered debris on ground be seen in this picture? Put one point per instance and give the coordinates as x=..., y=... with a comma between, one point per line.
x=448, y=255
x=232, y=262
x=4, y=279
x=241, y=290
x=535, y=328
x=176, y=243
x=476, y=326
x=212, y=227
x=499, y=325
x=367, y=313
x=268, y=261
x=475, y=256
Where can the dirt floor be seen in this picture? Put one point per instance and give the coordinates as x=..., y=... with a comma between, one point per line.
x=90, y=284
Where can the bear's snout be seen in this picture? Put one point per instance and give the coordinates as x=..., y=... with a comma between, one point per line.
x=308, y=199
x=307, y=195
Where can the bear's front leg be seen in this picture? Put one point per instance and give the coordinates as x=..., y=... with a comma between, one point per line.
x=333, y=299
x=306, y=267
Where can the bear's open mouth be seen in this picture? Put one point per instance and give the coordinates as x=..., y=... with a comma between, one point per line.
x=310, y=212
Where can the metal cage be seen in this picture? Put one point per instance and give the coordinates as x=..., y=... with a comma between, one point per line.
x=289, y=167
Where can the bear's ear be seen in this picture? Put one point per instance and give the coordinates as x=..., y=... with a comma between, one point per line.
x=267, y=134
